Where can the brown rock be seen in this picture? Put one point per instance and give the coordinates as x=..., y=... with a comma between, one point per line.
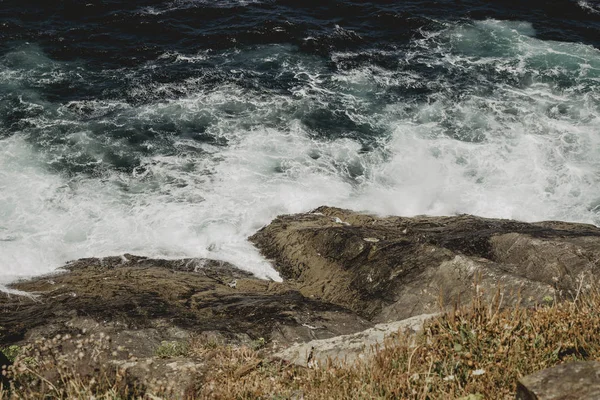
x=389, y=269
x=144, y=302
x=117, y=313
x=344, y=272
x=574, y=381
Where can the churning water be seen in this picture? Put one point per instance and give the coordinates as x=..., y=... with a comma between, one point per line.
x=178, y=128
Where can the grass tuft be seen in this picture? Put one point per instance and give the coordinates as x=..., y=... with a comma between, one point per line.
x=11, y=352
x=172, y=349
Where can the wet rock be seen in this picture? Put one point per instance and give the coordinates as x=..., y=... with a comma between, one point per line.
x=389, y=269
x=576, y=380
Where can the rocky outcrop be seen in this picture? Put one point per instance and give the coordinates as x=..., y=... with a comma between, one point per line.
x=577, y=380
x=143, y=305
x=349, y=281
x=192, y=295
x=388, y=269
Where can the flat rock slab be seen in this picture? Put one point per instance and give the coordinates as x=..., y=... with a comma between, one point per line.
x=573, y=381
x=349, y=348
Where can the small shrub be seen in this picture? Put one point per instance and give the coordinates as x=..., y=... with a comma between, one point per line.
x=258, y=344
x=66, y=368
x=11, y=352
x=172, y=349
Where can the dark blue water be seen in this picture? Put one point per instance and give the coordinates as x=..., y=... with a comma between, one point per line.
x=114, y=34
x=177, y=128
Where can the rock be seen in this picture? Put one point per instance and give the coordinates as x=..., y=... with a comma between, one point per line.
x=577, y=380
x=141, y=303
x=173, y=378
x=349, y=348
x=344, y=273
x=148, y=301
x=393, y=268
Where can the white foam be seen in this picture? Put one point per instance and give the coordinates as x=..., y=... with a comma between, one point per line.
x=588, y=7
x=506, y=150
x=187, y=4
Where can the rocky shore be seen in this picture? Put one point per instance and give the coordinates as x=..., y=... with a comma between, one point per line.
x=349, y=280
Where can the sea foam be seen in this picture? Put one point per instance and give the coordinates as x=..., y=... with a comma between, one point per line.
x=479, y=118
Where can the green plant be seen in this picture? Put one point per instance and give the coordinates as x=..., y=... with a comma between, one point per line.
x=11, y=352
x=170, y=349
x=258, y=343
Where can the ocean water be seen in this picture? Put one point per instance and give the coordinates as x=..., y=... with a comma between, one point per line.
x=178, y=128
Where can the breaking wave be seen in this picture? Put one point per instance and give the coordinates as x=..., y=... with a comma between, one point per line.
x=188, y=153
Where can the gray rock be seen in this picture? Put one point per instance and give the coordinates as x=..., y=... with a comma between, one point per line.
x=349, y=348
x=574, y=381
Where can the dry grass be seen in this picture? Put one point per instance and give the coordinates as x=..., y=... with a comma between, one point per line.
x=479, y=350
x=66, y=367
